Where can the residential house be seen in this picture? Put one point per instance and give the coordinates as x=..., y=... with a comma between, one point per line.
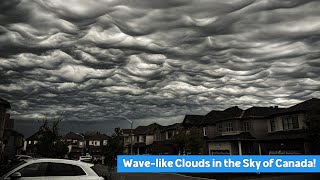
x=286, y=129
x=142, y=138
x=76, y=144
x=163, y=140
x=192, y=121
x=234, y=131
x=12, y=140
x=95, y=144
x=128, y=138
x=4, y=115
x=30, y=143
x=13, y=143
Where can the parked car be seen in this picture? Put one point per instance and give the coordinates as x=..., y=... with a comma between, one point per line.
x=18, y=158
x=53, y=169
x=86, y=158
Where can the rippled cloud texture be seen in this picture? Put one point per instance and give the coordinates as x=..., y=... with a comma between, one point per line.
x=156, y=59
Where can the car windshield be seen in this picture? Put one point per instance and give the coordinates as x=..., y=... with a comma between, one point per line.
x=10, y=168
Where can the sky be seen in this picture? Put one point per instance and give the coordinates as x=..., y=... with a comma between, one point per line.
x=155, y=61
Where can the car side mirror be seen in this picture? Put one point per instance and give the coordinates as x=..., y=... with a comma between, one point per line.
x=15, y=175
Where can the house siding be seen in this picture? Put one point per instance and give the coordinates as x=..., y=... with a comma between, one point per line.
x=149, y=139
x=279, y=125
x=211, y=131
x=258, y=127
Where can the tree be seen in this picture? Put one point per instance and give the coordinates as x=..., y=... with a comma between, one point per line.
x=113, y=149
x=195, y=140
x=189, y=140
x=180, y=139
x=50, y=144
x=313, y=129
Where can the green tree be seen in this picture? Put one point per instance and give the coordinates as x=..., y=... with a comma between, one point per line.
x=50, y=144
x=113, y=148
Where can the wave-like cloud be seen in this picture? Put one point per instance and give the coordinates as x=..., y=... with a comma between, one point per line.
x=156, y=59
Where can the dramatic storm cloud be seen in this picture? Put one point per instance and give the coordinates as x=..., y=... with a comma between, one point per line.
x=156, y=60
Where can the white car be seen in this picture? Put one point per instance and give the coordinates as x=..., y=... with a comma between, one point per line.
x=85, y=158
x=22, y=157
x=51, y=169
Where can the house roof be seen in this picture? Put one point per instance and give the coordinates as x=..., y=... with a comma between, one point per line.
x=74, y=136
x=260, y=111
x=307, y=105
x=235, y=137
x=5, y=103
x=229, y=113
x=144, y=130
x=171, y=127
x=193, y=120
x=211, y=117
x=286, y=135
x=35, y=136
x=97, y=136
x=126, y=131
x=235, y=112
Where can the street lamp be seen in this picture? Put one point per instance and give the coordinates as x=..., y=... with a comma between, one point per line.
x=131, y=122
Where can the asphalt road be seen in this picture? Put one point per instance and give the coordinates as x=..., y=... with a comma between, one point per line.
x=153, y=176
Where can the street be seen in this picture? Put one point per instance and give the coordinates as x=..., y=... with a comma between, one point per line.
x=153, y=176
x=164, y=176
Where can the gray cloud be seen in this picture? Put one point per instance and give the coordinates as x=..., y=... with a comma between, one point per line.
x=156, y=60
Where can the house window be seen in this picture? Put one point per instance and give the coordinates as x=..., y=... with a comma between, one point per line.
x=273, y=125
x=105, y=142
x=204, y=131
x=30, y=142
x=142, y=138
x=90, y=142
x=74, y=141
x=229, y=126
x=127, y=139
x=220, y=127
x=96, y=143
x=290, y=122
x=169, y=134
x=136, y=139
x=245, y=126
x=80, y=143
x=157, y=137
